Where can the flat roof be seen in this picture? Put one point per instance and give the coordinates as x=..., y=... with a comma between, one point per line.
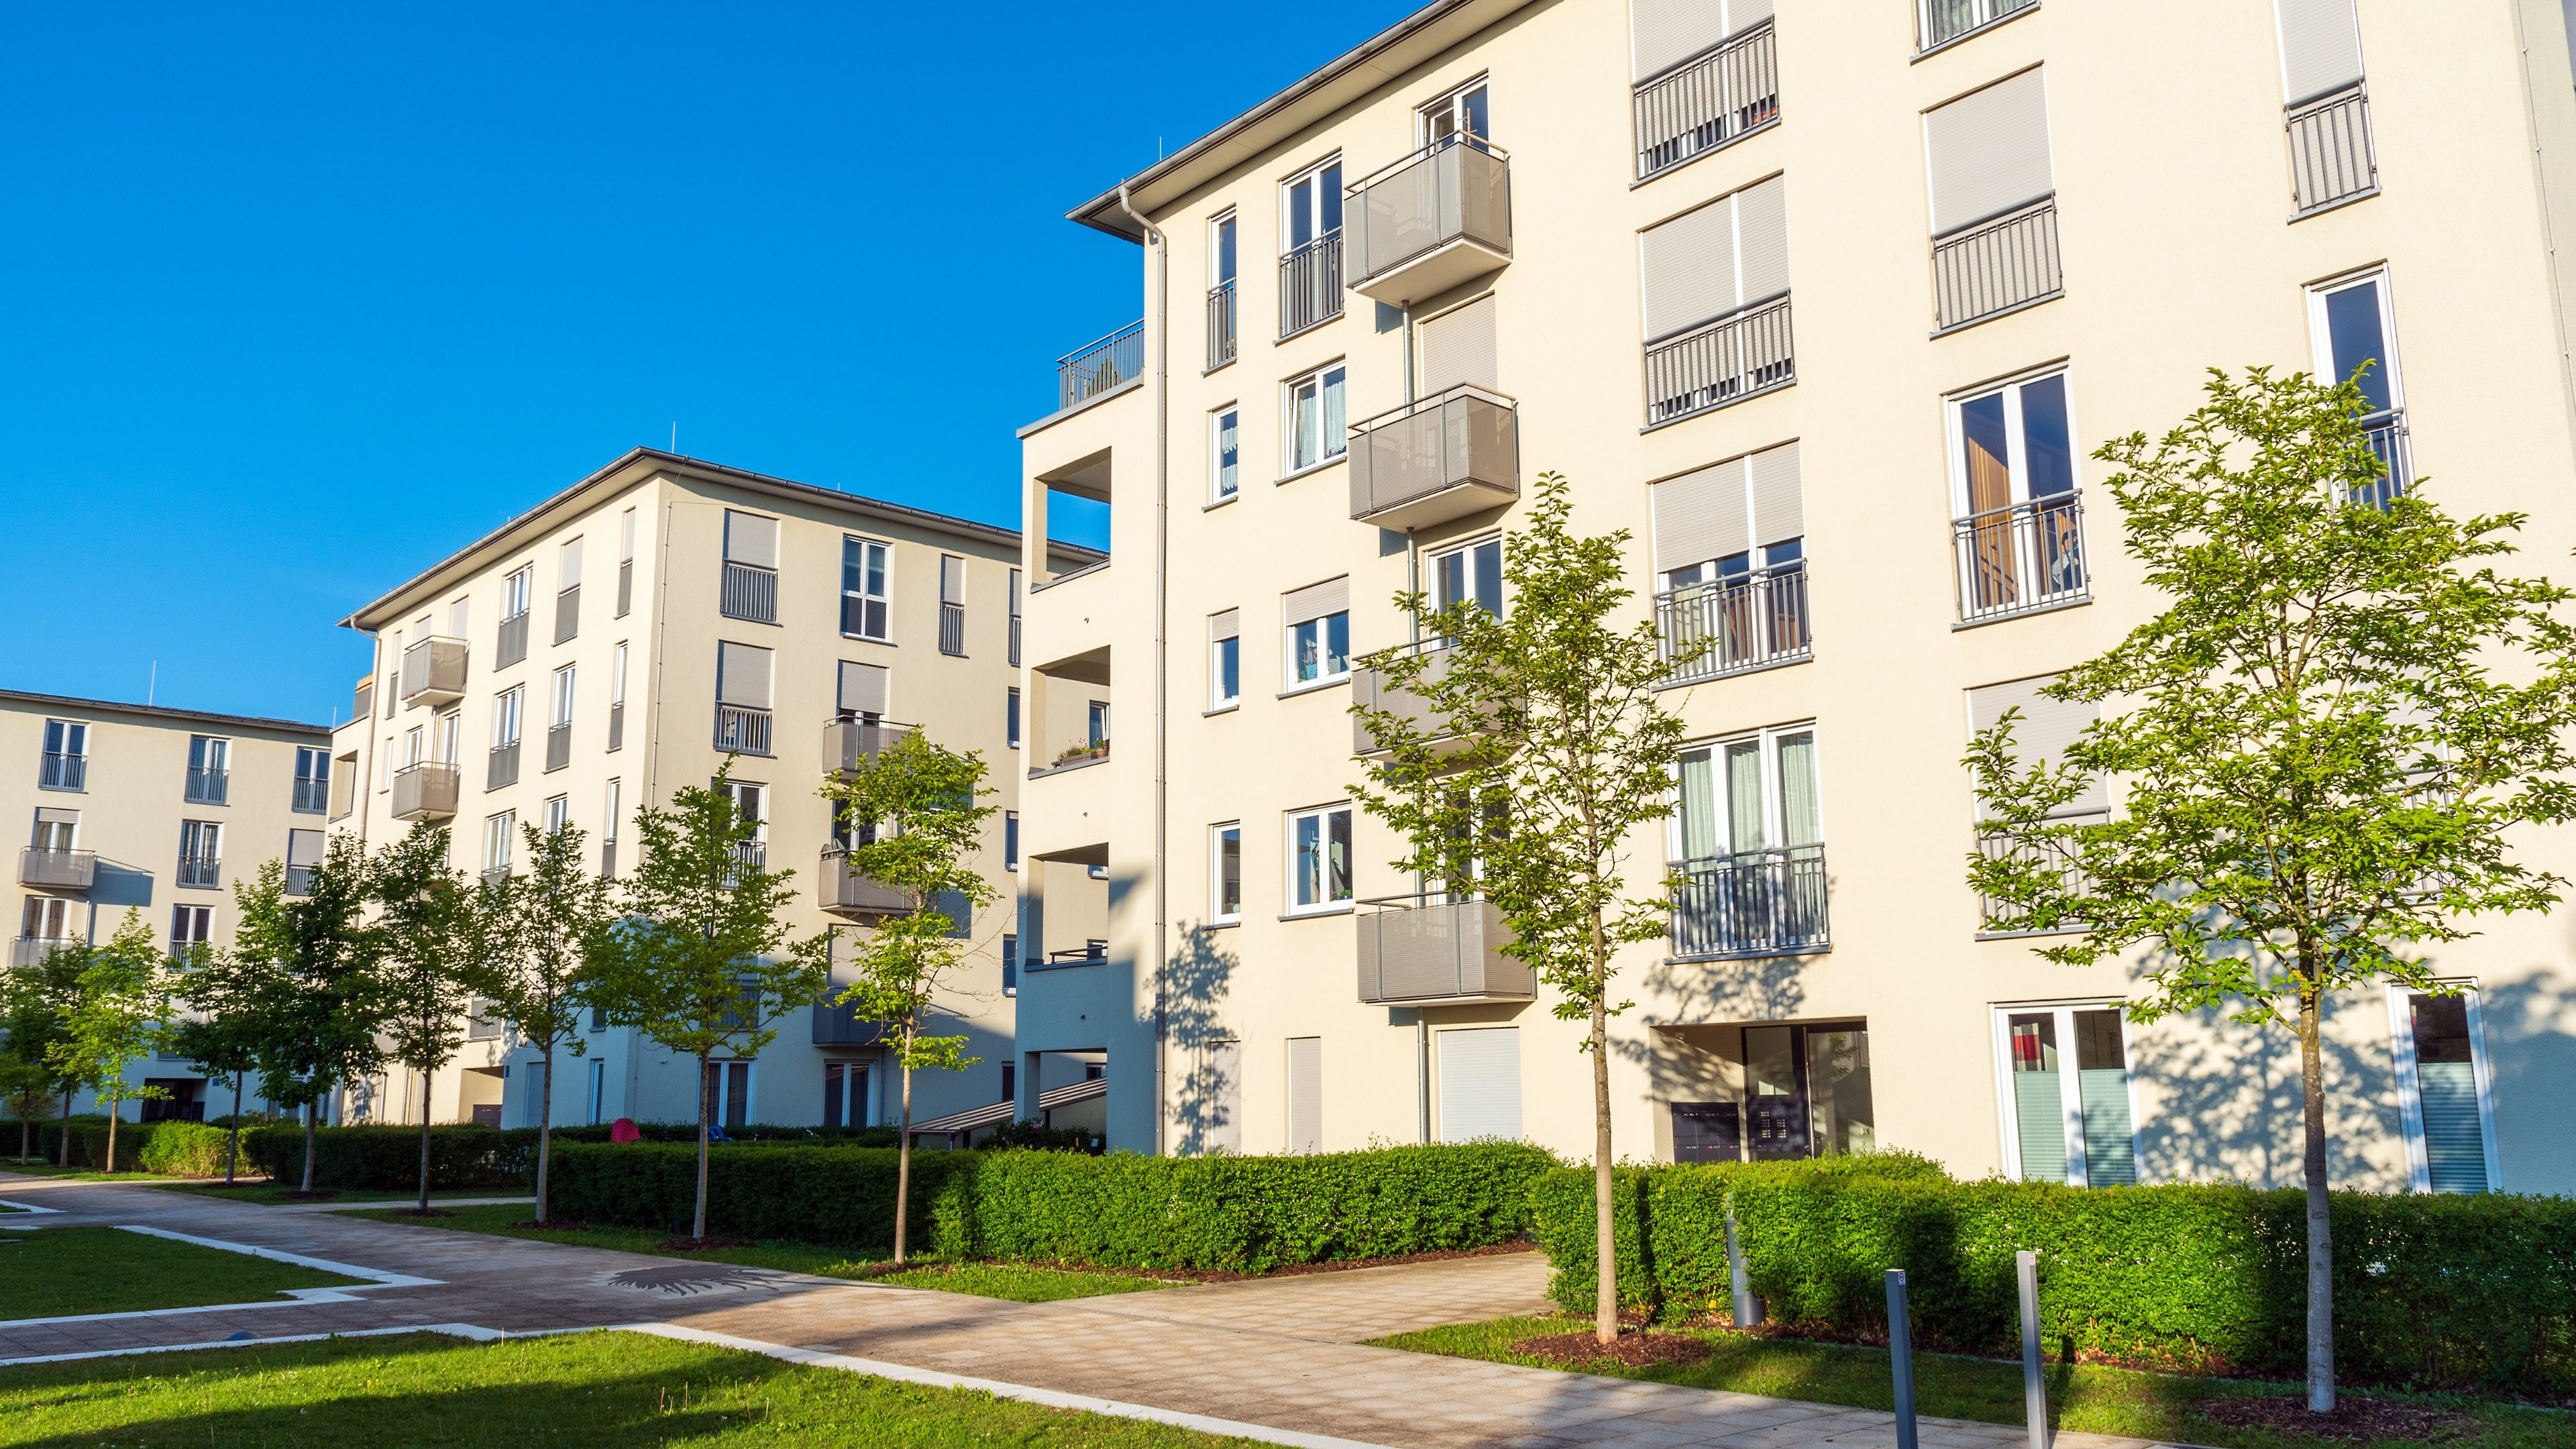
x=70, y=704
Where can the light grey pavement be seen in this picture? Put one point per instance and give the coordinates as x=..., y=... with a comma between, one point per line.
x=1280, y=1352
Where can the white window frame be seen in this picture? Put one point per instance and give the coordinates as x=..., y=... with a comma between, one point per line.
x=2016, y=440
x=1218, y=834
x=1010, y=840
x=617, y=675
x=877, y=558
x=759, y=792
x=1434, y=558
x=446, y=737
x=1316, y=175
x=2410, y=1095
x=517, y=587
x=1011, y=716
x=1329, y=905
x=1775, y=805
x=199, y=930
x=724, y=1086
x=2069, y=1093
x=1422, y=113
x=1220, y=489
x=562, y=696
x=558, y=814
x=1331, y=450
x=1219, y=696
x=1219, y=273
x=415, y=745
x=497, y=844
x=2321, y=341
x=506, y=721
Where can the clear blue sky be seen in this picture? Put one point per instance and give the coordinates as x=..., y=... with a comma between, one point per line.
x=294, y=301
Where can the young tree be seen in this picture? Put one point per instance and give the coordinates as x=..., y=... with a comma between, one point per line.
x=701, y=961
x=124, y=998
x=218, y=1037
x=305, y=979
x=429, y=930
x=543, y=925
x=39, y=999
x=26, y=1086
x=920, y=803
x=2323, y=743
x=1546, y=750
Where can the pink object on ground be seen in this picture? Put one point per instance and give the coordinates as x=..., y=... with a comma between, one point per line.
x=623, y=1130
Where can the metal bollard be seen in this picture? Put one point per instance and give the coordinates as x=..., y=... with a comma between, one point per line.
x=1746, y=1307
x=2034, y=1384
x=1900, y=1357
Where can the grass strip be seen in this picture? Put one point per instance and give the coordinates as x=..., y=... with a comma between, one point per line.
x=610, y=1390
x=57, y=1272
x=2082, y=1398
x=264, y=1191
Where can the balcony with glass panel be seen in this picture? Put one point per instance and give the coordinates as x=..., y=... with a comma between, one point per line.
x=424, y=791
x=433, y=671
x=1432, y=222
x=848, y=892
x=1372, y=688
x=32, y=950
x=69, y=871
x=1435, y=460
x=1431, y=950
x=853, y=740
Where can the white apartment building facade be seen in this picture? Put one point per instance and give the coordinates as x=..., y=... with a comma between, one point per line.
x=619, y=641
x=1826, y=307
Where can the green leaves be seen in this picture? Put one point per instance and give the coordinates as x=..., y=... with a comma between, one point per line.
x=543, y=926
x=113, y=1021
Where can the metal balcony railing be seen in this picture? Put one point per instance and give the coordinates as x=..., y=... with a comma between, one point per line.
x=299, y=880
x=1759, y=902
x=742, y=730
x=1735, y=624
x=2026, y=556
x=207, y=785
x=617, y=726
x=2332, y=159
x=1441, y=458
x=1371, y=687
x=1220, y=325
x=1087, y=954
x=1694, y=106
x=1946, y=20
x=2396, y=457
x=32, y=950
x=433, y=671
x=201, y=870
x=1424, y=949
x=60, y=770
x=1992, y=266
x=749, y=592
x=512, y=646
x=2070, y=871
x=849, y=742
x=847, y=891
x=567, y=613
x=558, y=746
x=57, y=870
x=312, y=796
x=1457, y=189
x=1722, y=360
x=424, y=791
x=625, y=586
x=1097, y=367
x=1310, y=285
x=952, y=628
x=836, y=1024
x=502, y=768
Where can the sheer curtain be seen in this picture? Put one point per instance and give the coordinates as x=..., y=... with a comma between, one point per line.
x=1800, y=823
x=1744, y=802
x=1699, y=807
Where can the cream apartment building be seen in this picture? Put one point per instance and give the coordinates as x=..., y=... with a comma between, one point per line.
x=616, y=643
x=161, y=811
x=1826, y=307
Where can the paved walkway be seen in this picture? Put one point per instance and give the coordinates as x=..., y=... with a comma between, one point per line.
x=1286, y=1353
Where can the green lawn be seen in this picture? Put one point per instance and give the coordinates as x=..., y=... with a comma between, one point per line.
x=82, y=1174
x=262, y=1190
x=2093, y=1400
x=605, y=1389
x=1020, y=1282
x=55, y=1272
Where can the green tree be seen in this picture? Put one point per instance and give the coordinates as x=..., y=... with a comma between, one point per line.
x=917, y=826
x=124, y=998
x=26, y=1086
x=2323, y=742
x=429, y=930
x=1545, y=752
x=216, y=1035
x=304, y=981
x=542, y=932
x=38, y=999
x=700, y=961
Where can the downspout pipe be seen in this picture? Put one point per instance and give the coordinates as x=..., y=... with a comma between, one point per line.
x=1162, y=599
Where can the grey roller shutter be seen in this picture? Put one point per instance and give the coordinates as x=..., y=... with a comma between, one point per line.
x=1700, y=516
x=1688, y=266
x=1987, y=151
x=2045, y=729
x=1458, y=347
x=862, y=689
x=1664, y=33
x=750, y=538
x=1227, y=625
x=304, y=848
x=1480, y=1084
x=1779, y=503
x=571, y=566
x=742, y=675
x=1316, y=601
x=1305, y=1094
x=1223, y=1129
x=1762, y=240
x=2320, y=47
x=952, y=579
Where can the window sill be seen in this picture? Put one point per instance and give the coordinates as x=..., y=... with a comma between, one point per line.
x=2031, y=935
x=1227, y=924
x=2031, y=612
x=1344, y=909
x=1294, y=690
x=1220, y=709
x=1234, y=497
x=1046, y=770
x=1310, y=469
x=868, y=639
x=64, y=789
x=1964, y=36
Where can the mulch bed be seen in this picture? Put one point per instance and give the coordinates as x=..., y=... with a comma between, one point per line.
x=322, y=1194
x=2354, y=1420
x=1632, y=1350
x=413, y=1212
x=554, y=1225
x=697, y=1245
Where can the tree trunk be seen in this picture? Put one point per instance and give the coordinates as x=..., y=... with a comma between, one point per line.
x=63, y=1149
x=903, y=1160
x=115, y=1109
x=423, y=1204
x=1605, y=1228
x=26, y=1133
x=312, y=1131
x=232, y=1145
x=2312, y=1086
x=545, y=1127
x=706, y=1103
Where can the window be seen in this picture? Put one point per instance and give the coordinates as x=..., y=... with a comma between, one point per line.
x=2066, y=1101
x=845, y=1094
x=1318, y=430
x=2353, y=328
x=728, y=1093
x=625, y=562
x=2445, y=1090
x=1748, y=840
x=749, y=798
x=558, y=813
x=2019, y=531
x=608, y=832
x=304, y=851
x=1221, y=250
x=1225, y=659
x=1096, y=724
x=598, y=1077
x=312, y=780
x=750, y=586
x=1310, y=248
x=1470, y=575
x=743, y=677
x=47, y=919
x=1480, y=1083
x=1943, y=21
x=209, y=772
x=865, y=602
x=1730, y=563
x=1011, y=716
x=1010, y=965
x=1310, y=207
x=1807, y=1091
x=57, y=830
x=413, y=746
x=497, y=830
x=952, y=604
x=505, y=717
x=2326, y=110
x=1994, y=207
x=1225, y=873
x=1015, y=618
x=1319, y=859
x=568, y=590
x=201, y=852
x=1715, y=283
x=190, y=927
x=447, y=736
x=1319, y=633
x=1010, y=840
x=617, y=696
x=559, y=721
x=1221, y=292
x=1225, y=454
x=65, y=765
x=516, y=591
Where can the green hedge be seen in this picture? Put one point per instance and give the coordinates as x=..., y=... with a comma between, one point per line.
x=180, y=1149
x=2429, y=1290
x=1243, y=1214
x=387, y=1158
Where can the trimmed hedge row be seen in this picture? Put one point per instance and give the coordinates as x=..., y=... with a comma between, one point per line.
x=386, y=1158
x=1243, y=1214
x=180, y=1149
x=2429, y=1290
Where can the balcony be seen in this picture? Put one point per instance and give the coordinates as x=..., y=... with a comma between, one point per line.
x=849, y=743
x=742, y=730
x=2020, y=559
x=2331, y=157
x=2396, y=458
x=1310, y=285
x=952, y=628
x=1430, y=223
x=2069, y=871
x=1371, y=687
x=208, y=784
x=1220, y=325
x=558, y=746
x=1089, y=953
x=625, y=586
x=1713, y=99
x=433, y=672
x=1442, y=458
x=1422, y=951
x=567, y=614
x=311, y=796
x=749, y=592
x=2002, y=264
x=426, y=791
x=57, y=870
x=846, y=892
x=63, y=771
x=299, y=879
x=32, y=950
x=513, y=643
x=1724, y=360
x=203, y=872
x=502, y=768
x=1757, y=903
x=617, y=726
x=837, y=1025
x=1100, y=367
x=1735, y=625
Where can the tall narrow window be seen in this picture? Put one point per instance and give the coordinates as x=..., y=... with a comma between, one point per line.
x=2325, y=107
x=1096, y=726
x=517, y=588
x=65, y=765
x=1470, y=575
x=1225, y=454
x=2068, y=1094
x=312, y=779
x=2445, y=1090
x=304, y=850
x=209, y=769
x=1748, y=842
x=559, y=720
x=558, y=814
x=1010, y=965
x=1318, y=419
x=744, y=673
x=1310, y=248
x=617, y=696
x=625, y=562
x=2018, y=531
x=1011, y=717
x=1014, y=660
x=952, y=604
x=201, y=853
x=2353, y=327
x=497, y=831
x=608, y=830
x=1716, y=294
x=750, y=585
x=865, y=601
x=1731, y=565
x=1319, y=859
x=1225, y=659
x=568, y=591
x=190, y=927
x=44, y=922
x=1225, y=873
x=1010, y=840
x=1221, y=292
x=1318, y=620
x=1994, y=202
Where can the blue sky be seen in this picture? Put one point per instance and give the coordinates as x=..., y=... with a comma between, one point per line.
x=294, y=301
